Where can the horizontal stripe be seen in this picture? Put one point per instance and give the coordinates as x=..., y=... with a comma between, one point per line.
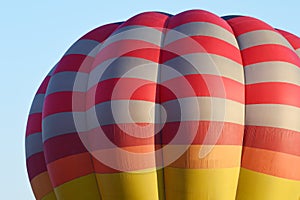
x=271, y=162
x=126, y=111
x=131, y=186
x=36, y=165
x=141, y=33
x=59, y=124
x=261, y=37
x=63, y=102
x=201, y=63
x=49, y=196
x=197, y=16
x=197, y=29
x=84, y=47
x=269, y=52
x=274, y=139
x=298, y=52
x=207, y=132
x=41, y=185
x=123, y=67
x=273, y=93
x=65, y=81
x=33, y=144
x=60, y=171
x=37, y=104
x=200, y=44
x=291, y=38
x=219, y=156
x=204, y=108
x=186, y=109
x=150, y=19
x=274, y=71
x=34, y=124
x=201, y=85
x=258, y=186
x=84, y=187
x=101, y=33
x=121, y=89
x=124, y=47
x=74, y=63
x=245, y=24
x=62, y=146
x=129, y=161
x=179, y=87
x=224, y=181
x=273, y=115
x=183, y=133
x=43, y=87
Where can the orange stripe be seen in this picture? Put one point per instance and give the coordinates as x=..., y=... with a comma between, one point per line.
x=129, y=159
x=41, y=185
x=271, y=163
x=220, y=156
x=69, y=168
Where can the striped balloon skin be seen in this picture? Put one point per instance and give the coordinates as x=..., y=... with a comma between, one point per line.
x=255, y=153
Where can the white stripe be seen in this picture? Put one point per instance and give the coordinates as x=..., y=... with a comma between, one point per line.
x=200, y=29
x=202, y=63
x=298, y=52
x=206, y=109
x=274, y=71
x=273, y=115
x=260, y=37
x=123, y=67
x=84, y=47
x=184, y=109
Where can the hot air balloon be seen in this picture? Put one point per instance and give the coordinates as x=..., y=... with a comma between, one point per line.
x=190, y=106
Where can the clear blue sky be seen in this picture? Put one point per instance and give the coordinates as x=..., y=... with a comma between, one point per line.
x=35, y=34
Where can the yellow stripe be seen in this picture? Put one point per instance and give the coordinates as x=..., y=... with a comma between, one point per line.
x=49, y=196
x=131, y=186
x=201, y=184
x=258, y=186
x=84, y=187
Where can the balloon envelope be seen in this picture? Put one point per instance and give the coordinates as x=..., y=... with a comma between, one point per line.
x=191, y=106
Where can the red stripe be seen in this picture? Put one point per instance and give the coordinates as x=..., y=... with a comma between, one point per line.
x=201, y=44
x=122, y=48
x=64, y=102
x=180, y=87
x=36, y=165
x=221, y=133
x=191, y=132
x=241, y=25
x=34, y=124
x=269, y=52
x=69, y=168
x=197, y=16
x=291, y=38
x=273, y=93
x=63, y=146
x=101, y=33
x=74, y=63
x=274, y=139
x=43, y=87
x=121, y=88
x=148, y=54
x=148, y=19
x=202, y=85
